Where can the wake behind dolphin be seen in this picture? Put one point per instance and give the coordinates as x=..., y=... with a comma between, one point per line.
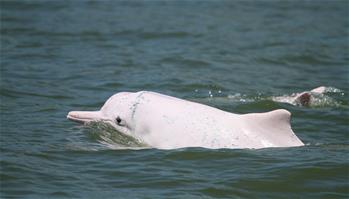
x=314, y=97
x=318, y=97
x=166, y=122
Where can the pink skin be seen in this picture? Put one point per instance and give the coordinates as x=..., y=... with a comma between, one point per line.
x=85, y=117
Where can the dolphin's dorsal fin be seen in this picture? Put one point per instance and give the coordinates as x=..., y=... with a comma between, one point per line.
x=271, y=129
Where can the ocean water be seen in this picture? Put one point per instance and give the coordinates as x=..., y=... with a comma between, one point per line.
x=58, y=56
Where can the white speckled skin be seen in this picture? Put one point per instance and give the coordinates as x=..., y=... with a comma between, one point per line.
x=166, y=122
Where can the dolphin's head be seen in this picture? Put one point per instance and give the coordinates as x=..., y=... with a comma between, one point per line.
x=117, y=111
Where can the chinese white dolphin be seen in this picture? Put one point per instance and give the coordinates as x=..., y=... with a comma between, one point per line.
x=305, y=98
x=166, y=122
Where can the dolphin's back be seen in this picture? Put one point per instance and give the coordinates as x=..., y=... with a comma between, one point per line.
x=210, y=127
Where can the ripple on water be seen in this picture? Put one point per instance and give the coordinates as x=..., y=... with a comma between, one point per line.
x=236, y=56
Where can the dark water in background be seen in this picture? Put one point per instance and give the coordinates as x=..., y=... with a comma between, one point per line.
x=58, y=56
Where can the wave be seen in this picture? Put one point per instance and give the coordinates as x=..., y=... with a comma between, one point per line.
x=111, y=138
x=324, y=98
x=330, y=97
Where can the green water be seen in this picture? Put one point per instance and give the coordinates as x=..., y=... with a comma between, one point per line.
x=58, y=56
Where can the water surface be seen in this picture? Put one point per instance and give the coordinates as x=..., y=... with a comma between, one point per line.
x=59, y=56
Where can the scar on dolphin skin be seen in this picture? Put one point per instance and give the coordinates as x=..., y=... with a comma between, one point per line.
x=304, y=99
x=137, y=102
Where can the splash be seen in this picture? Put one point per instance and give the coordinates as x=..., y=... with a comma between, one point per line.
x=320, y=97
x=109, y=137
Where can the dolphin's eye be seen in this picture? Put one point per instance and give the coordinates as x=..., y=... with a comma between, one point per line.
x=118, y=120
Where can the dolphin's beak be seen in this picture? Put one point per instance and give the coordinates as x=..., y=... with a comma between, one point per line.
x=84, y=116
